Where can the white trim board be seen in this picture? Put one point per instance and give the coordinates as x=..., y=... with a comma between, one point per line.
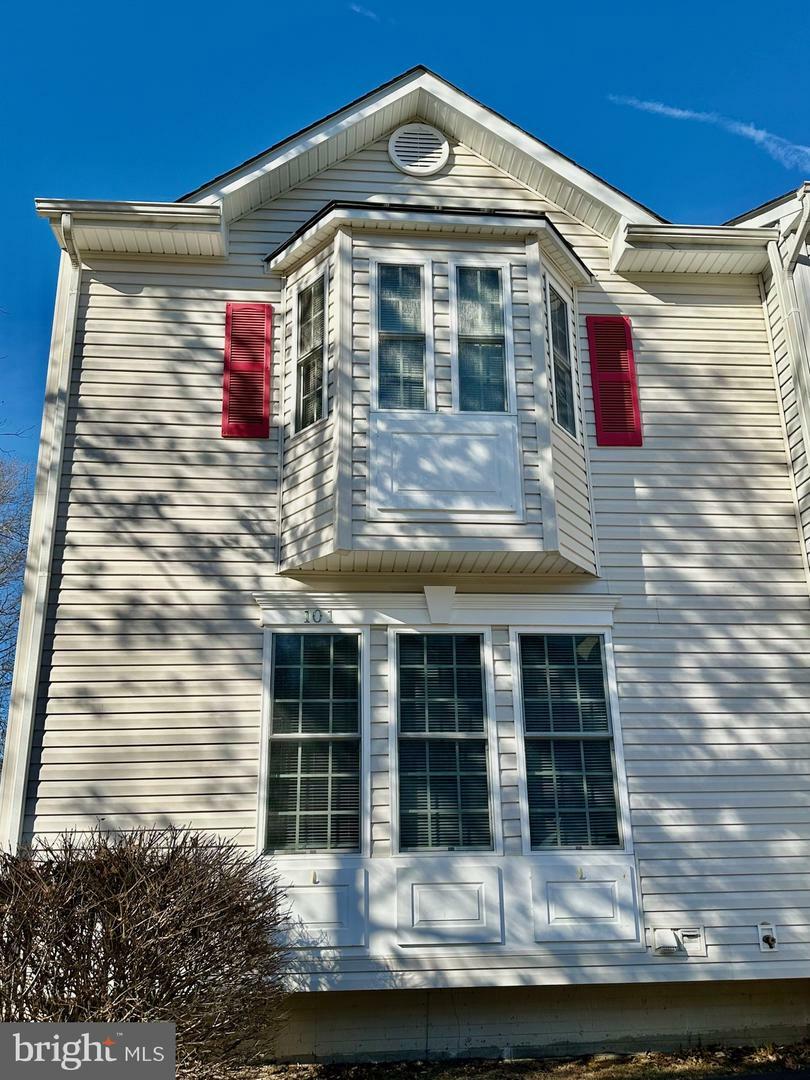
x=22, y=708
x=550, y=610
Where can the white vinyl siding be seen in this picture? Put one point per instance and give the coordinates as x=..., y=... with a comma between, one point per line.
x=148, y=704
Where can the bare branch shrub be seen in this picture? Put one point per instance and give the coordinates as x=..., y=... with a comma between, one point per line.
x=151, y=925
x=15, y=499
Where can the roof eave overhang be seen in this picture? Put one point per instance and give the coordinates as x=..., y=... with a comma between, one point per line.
x=87, y=227
x=692, y=249
x=315, y=234
x=420, y=93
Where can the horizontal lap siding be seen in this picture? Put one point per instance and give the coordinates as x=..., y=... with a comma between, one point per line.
x=697, y=534
x=149, y=698
x=308, y=493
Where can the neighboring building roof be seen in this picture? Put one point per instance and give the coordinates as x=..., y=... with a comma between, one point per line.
x=773, y=209
x=420, y=93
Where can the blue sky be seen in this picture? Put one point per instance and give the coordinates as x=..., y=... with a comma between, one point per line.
x=696, y=109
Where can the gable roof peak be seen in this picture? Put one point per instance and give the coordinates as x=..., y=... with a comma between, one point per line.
x=421, y=92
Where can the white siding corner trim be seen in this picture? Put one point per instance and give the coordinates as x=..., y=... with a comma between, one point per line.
x=40, y=554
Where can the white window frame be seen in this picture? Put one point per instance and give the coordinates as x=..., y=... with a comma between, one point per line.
x=504, y=264
x=622, y=793
x=309, y=278
x=568, y=295
x=363, y=633
x=490, y=734
x=425, y=263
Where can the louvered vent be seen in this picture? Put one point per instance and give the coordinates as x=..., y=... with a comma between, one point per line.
x=418, y=149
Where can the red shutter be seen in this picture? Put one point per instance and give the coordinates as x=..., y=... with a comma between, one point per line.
x=246, y=382
x=613, y=376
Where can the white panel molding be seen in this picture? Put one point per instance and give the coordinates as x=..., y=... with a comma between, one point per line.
x=585, y=897
x=445, y=466
x=328, y=907
x=38, y=567
x=443, y=904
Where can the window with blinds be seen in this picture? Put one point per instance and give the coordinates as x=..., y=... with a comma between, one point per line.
x=314, y=766
x=569, y=746
x=564, y=399
x=481, y=340
x=401, y=345
x=443, y=776
x=310, y=365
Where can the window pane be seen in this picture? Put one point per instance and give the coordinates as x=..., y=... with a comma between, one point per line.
x=441, y=683
x=401, y=345
x=314, y=783
x=444, y=794
x=480, y=302
x=444, y=787
x=400, y=299
x=571, y=782
x=482, y=376
x=563, y=684
x=310, y=354
x=402, y=373
x=564, y=402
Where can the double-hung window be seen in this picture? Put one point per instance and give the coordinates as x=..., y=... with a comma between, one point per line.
x=569, y=745
x=481, y=340
x=564, y=398
x=314, y=756
x=401, y=345
x=310, y=363
x=443, y=773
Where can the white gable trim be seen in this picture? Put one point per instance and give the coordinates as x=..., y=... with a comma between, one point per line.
x=420, y=94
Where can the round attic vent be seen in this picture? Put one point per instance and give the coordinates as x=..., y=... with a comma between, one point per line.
x=418, y=149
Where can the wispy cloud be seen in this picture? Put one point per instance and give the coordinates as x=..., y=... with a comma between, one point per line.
x=367, y=13
x=790, y=154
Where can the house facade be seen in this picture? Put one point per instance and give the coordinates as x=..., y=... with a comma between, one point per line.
x=419, y=510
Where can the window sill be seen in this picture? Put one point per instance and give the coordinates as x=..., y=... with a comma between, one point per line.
x=567, y=435
x=312, y=429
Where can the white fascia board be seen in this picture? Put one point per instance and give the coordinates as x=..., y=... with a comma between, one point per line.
x=568, y=170
x=112, y=225
x=406, y=220
x=634, y=241
x=458, y=101
x=315, y=137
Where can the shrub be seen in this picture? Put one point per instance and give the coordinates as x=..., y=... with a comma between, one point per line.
x=151, y=925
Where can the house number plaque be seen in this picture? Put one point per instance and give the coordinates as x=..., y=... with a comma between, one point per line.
x=317, y=615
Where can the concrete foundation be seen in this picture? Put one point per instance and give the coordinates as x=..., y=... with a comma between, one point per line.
x=541, y=1021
